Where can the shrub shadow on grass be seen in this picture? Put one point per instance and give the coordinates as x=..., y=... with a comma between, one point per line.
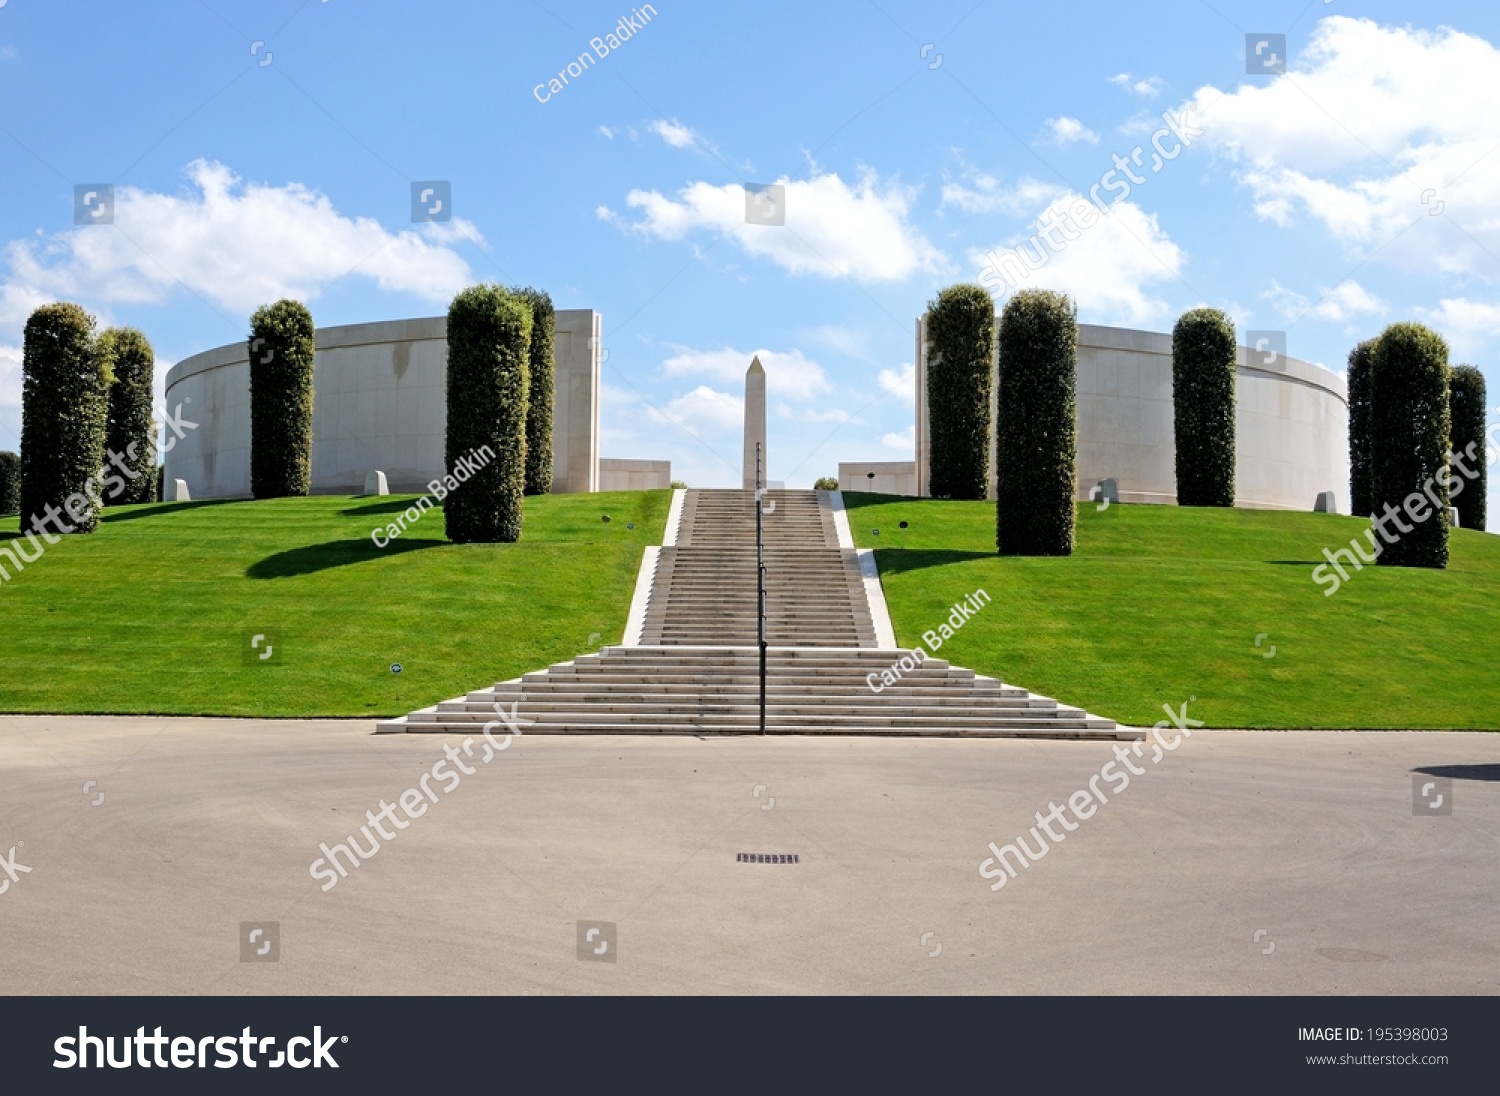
x=312, y=558
x=158, y=509
x=895, y=561
x=1461, y=772
x=386, y=506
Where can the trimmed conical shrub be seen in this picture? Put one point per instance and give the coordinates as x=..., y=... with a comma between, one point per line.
x=281, y=347
x=1204, y=355
x=64, y=408
x=1409, y=428
x=1466, y=413
x=1037, y=433
x=540, y=369
x=489, y=349
x=960, y=357
x=130, y=433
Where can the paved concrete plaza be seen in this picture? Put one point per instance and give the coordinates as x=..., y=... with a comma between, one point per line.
x=205, y=824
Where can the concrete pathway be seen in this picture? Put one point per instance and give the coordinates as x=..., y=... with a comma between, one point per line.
x=1183, y=883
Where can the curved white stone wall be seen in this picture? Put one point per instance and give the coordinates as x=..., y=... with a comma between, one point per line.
x=1291, y=423
x=379, y=402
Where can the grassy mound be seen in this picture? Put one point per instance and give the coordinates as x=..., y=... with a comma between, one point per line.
x=1160, y=604
x=154, y=613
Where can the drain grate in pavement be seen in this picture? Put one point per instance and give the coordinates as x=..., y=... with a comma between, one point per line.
x=767, y=858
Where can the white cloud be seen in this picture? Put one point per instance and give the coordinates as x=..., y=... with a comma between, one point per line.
x=607, y=133
x=236, y=244
x=1066, y=131
x=674, y=133
x=988, y=196
x=1343, y=302
x=905, y=441
x=788, y=373
x=902, y=382
x=832, y=229
x=1106, y=269
x=703, y=410
x=1147, y=88
x=1370, y=129
x=1466, y=324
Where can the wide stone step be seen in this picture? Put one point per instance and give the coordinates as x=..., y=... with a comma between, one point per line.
x=1053, y=730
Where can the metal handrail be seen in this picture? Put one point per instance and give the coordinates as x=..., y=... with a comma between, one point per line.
x=760, y=586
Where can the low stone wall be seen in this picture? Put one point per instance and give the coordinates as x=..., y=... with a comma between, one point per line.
x=886, y=477
x=616, y=474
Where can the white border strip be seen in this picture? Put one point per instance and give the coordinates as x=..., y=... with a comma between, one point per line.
x=880, y=614
x=674, y=517
x=841, y=520
x=635, y=623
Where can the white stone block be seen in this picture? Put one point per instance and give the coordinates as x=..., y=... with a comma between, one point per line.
x=375, y=484
x=1327, y=503
x=177, y=491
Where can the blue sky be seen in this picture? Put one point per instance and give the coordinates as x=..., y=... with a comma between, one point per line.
x=268, y=148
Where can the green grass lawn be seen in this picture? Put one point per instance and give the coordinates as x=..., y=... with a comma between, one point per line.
x=153, y=613
x=1159, y=604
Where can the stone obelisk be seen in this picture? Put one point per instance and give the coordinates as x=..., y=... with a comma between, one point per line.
x=755, y=422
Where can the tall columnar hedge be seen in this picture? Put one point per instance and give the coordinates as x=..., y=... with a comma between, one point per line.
x=10, y=482
x=281, y=400
x=539, y=392
x=1466, y=411
x=130, y=433
x=64, y=406
x=489, y=350
x=1204, y=355
x=960, y=356
x=1359, y=428
x=1409, y=428
x=1037, y=454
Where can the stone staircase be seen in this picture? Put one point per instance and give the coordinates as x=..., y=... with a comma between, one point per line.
x=690, y=665
x=704, y=589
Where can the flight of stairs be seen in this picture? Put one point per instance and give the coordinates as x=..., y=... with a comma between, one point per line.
x=704, y=591
x=691, y=664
